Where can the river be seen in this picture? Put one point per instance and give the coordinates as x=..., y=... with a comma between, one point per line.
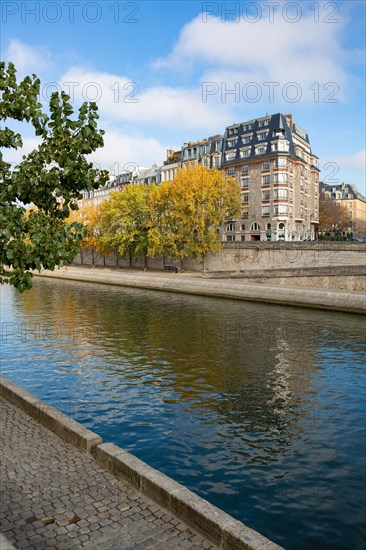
x=258, y=408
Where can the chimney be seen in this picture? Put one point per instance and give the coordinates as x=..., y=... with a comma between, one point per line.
x=289, y=119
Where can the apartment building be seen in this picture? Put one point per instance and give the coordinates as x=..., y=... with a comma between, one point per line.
x=147, y=176
x=171, y=165
x=272, y=160
x=96, y=196
x=117, y=183
x=207, y=152
x=351, y=199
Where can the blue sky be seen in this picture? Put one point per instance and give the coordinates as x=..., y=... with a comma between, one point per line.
x=164, y=72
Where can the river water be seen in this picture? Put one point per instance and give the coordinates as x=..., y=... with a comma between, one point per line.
x=258, y=408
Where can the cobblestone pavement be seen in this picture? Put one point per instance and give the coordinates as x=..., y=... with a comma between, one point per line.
x=54, y=497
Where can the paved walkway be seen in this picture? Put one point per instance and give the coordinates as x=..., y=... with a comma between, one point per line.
x=54, y=497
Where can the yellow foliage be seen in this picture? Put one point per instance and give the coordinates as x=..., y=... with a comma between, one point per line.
x=186, y=213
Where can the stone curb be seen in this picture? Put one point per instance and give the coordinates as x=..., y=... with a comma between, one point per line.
x=214, y=524
x=341, y=300
x=5, y=544
x=65, y=427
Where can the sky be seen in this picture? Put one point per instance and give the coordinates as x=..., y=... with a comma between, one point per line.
x=167, y=72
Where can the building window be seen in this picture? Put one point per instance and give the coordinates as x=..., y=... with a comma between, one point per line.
x=263, y=123
x=231, y=171
x=245, y=182
x=242, y=227
x=265, y=180
x=230, y=227
x=255, y=227
x=230, y=238
x=247, y=139
x=260, y=150
x=262, y=135
x=265, y=165
x=232, y=142
x=281, y=162
x=281, y=210
x=266, y=211
x=245, y=214
x=230, y=156
x=266, y=195
x=245, y=152
x=280, y=178
x=245, y=168
x=248, y=127
x=245, y=198
x=280, y=194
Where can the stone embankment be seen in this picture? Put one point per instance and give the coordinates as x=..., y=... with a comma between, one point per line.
x=62, y=488
x=334, y=265
x=239, y=289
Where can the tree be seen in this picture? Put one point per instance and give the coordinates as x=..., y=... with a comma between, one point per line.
x=187, y=212
x=333, y=217
x=126, y=220
x=91, y=216
x=50, y=178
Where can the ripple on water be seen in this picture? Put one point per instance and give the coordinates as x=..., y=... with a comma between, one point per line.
x=258, y=408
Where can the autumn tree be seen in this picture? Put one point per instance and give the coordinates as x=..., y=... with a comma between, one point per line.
x=90, y=215
x=165, y=238
x=333, y=217
x=187, y=212
x=50, y=178
x=126, y=220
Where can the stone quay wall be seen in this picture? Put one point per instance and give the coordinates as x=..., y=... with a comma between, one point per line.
x=340, y=265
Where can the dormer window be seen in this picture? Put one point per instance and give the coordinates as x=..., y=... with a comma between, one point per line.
x=263, y=135
x=232, y=142
x=245, y=152
x=260, y=150
x=230, y=155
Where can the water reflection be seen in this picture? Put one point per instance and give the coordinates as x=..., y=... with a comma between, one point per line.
x=257, y=407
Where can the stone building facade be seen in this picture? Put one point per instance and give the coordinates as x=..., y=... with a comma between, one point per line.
x=349, y=197
x=271, y=159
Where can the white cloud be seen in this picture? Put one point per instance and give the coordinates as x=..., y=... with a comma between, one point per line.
x=121, y=99
x=349, y=168
x=303, y=52
x=123, y=152
x=355, y=161
x=28, y=59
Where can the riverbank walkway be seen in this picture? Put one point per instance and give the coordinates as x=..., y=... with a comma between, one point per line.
x=55, y=497
x=234, y=288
